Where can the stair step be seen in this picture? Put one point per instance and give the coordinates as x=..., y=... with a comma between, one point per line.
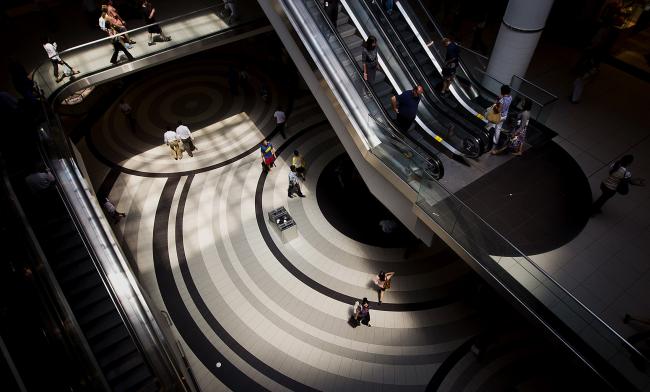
x=110, y=338
x=101, y=309
x=134, y=381
x=76, y=273
x=122, y=368
x=90, y=299
x=102, y=325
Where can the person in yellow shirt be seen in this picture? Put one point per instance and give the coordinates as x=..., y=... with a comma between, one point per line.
x=299, y=163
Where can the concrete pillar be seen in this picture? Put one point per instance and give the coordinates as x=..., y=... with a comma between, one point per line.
x=521, y=28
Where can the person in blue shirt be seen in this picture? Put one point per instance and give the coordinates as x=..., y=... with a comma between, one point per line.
x=268, y=155
x=406, y=107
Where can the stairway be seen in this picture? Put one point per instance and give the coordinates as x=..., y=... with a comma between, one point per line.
x=116, y=353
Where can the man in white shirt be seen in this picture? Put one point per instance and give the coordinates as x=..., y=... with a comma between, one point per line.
x=184, y=134
x=280, y=122
x=172, y=140
x=53, y=55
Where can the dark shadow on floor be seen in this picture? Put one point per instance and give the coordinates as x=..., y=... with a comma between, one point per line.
x=348, y=205
x=539, y=201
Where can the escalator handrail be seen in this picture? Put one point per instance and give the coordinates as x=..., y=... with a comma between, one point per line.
x=146, y=319
x=431, y=20
x=135, y=30
x=56, y=93
x=50, y=288
x=389, y=123
x=470, y=75
x=413, y=79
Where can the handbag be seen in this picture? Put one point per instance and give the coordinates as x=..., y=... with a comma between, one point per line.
x=353, y=322
x=493, y=117
x=387, y=284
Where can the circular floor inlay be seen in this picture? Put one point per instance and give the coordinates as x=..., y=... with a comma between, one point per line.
x=191, y=104
x=349, y=206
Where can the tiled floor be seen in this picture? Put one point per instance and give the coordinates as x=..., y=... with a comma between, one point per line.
x=607, y=266
x=273, y=314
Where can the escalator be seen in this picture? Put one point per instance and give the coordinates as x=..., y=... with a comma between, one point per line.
x=515, y=276
x=469, y=95
x=106, y=333
x=438, y=128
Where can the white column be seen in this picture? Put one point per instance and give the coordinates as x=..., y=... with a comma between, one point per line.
x=521, y=28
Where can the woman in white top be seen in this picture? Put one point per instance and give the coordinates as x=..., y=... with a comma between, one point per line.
x=618, y=180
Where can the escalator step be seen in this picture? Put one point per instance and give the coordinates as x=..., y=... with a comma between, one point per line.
x=90, y=299
x=82, y=287
x=77, y=273
x=72, y=259
x=110, y=338
x=122, y=368
x=137, y=379
x=346, y=30
x=100, y=310
x=107, y=354
x=97, y=329
x=112, y=358
x=353, y=41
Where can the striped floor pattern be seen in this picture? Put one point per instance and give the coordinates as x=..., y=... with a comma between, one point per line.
x=253, y=312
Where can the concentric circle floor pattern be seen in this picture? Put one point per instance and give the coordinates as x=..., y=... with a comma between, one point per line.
x=207, y=255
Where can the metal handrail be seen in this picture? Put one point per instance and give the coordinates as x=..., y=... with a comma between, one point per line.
x=145, y=316
x=51, y=287
x=393, y=49
x=537, y=87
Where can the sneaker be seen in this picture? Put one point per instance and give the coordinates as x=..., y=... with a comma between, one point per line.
x=129, y=46
x=132, y=42
x=379, y=303
x=151, y=43
x=290, y=196
x=302, y=195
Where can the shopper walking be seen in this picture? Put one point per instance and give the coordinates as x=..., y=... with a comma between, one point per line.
x=369, y=60
x=149, y=15
x=118, y=47
x=185, y=135
x=362, y=313
x=389, y=6
x=280, y=122
x=383, y=282
x=406, y=107
x=294, y=184
x=298, y=162
x=231, y=6
x=332, y=10
x=111, y=211
x=51, y=50
x=452, y=57
x=172, y=140
x=618, y=181
x=127, y=112
x=116, y=22
x=505, y=99
x=518, y=140
x=268, y=155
